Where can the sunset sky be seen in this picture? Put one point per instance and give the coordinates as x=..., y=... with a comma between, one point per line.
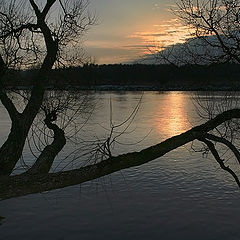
x=126, y=29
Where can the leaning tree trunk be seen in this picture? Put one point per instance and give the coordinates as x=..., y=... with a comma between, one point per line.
x=24, y=184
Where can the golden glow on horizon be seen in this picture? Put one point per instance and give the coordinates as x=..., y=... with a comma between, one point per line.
x=132, y=46
x=172, y=118
x=130, y=31
x=162, y=35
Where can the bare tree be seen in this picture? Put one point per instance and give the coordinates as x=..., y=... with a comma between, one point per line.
x=213, y=33
x=30, y=35
x=27, y=183
x=215, y=23
x=20, y=34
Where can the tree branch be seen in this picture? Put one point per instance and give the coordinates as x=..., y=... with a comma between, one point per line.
x=52, y=48
x=3, y=68
x=10, y=107
x=25, y=184
x=35, y=8
x=47, y=156
x=47, y=7
x=28, y=26
x=225, y=142
x=219, y=160
x=6, y=101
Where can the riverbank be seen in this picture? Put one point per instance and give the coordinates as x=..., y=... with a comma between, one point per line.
x=138, y=77
x=131, y=88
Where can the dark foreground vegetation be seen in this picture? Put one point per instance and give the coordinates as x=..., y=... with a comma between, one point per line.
x=136, y=77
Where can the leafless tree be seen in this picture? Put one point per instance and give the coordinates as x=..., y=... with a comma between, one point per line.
x=32, y=34
x=34, y=182
x=213, y=30
x=24, y=26
x=215, y=23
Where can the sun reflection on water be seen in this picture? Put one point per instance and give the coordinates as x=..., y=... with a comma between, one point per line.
x=171, y=117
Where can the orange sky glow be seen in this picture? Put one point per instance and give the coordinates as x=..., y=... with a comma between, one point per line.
x=128, y=30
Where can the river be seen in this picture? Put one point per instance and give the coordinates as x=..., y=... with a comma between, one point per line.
x=182, y=195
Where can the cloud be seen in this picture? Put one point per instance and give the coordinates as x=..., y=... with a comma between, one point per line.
x=143, y=35
x=138, y=46
x=156, y=6
x=122, y=48
x=117, y=54
x=166, y=33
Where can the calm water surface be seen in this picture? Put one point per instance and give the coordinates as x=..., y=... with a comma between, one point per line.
x=179, y=196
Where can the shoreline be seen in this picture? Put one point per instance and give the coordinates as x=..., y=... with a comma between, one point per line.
x=130, y=88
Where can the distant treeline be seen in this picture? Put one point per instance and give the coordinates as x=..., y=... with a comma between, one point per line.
x=159, y=77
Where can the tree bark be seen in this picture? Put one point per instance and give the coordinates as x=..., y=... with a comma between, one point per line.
x=47, y=156
x=11, y=150
x=24, y=184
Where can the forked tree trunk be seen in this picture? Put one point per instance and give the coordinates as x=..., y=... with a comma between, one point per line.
x=11, y=150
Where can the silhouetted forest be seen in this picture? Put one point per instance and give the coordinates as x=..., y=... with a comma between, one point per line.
x=136, y=77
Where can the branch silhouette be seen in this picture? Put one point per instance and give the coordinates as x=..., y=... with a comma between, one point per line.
x=26, y=183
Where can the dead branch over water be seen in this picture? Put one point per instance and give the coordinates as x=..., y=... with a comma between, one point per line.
x=28, y=183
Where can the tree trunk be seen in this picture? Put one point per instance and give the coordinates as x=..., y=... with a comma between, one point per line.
x=24, y=184
x=11, y=150
x=47, y=156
